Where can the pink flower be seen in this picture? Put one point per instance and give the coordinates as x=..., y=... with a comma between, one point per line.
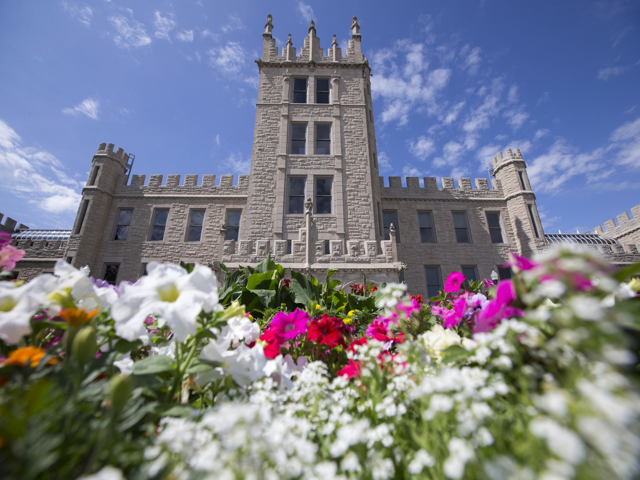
x=290, y=325
x=9, y=255
x=413, y=306
x=521, y=262
x=378, y=330
x=488, y=283
x=351, y=370
x=454, y=316
x=498, y=308
x=5, y=238
x=454, y=280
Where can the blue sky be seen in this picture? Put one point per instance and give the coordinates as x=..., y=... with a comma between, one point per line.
x=454, y=82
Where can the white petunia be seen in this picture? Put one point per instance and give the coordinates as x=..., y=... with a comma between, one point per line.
x=107, y=473
x=283, y=369
x=587, y=308
x=438, y=339
x=244, y=364
x=125, y=364
x=240, y=328
x=421, y=460
x=83, y=292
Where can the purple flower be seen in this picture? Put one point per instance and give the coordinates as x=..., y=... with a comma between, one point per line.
x=5, y=238
x=498, y=308
x=290, y=325
x=521, y=262
x=454, y=280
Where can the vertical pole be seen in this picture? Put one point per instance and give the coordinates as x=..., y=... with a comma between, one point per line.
x=308, y=209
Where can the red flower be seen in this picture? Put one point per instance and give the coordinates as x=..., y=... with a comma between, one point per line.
x=286, y=282
x=417, y=298
x=351, y=370
x=355, y=343
x=326, y=331
x=272, y=343
x=357, y=289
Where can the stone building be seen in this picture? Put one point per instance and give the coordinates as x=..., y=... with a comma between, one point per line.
x=314, y=198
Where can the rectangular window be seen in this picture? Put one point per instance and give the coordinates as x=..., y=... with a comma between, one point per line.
x=322, y=90
x=289, y=247
x=195, y=225
x=298, y=139
x=380, y=222
x=299, y=90
x=521, y=175
x=122, y=225
x=296, y=194
x=390, y=217
x=323, y=139
x=143, y=269
x=159, y=224
x=533, y=220
x=461, y=227
x=94, y=176
x=323, y=195
x=433, y=281
x=327, y=247
x=83, y=213
x=470, y=273
x=493, y=221
x=111, y=273
x=233, y=224
x=69, y=259
x=504, y=273
x=427, y=233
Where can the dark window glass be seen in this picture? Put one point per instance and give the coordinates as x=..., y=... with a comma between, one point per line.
x=83, y=213
x=533, y=220
x=122, y=227
x=288, y=247
x=143, y=269
x=296, y=194
x=504, y=273
x=493, y=220
x=470, y=273
x=94, y=175
x=233, y=224
x=426, y=228
x=521, y=175
x=375, y=161
x=388, y=218
x=323, y=139
x=380, y=222
x=433, y=281
x=323, y=195
x=298, y=139
x=195, y=226
x=327, y=247
x=159, y=224
x=111, y=273
x=69, y=259
x=460, y=225
x=299, y=90
x=322, y=90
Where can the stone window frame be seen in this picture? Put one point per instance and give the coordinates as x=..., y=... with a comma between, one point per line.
x=315, y=89
x=315, y=196
x=84, y=209
x=293, y=90
x=188, y=229
x=487, y=212
x=226, y=216
x=426, y=278
x=375, y=161
x=523, y=181
x=306, y=138
x=502, y=272
x=93, y=178
x=158, y=208
x=532, y=217
x=468, y=227
x=116, y=224
x=315, y=138
x=433, y=227
x=288, y=195
x=106, y=265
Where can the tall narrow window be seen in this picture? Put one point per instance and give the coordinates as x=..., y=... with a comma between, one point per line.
x=533, y=220
x=233, y=224
x=323, y=139
x=322, y=90
x=123, y=224
x=195, y=225
x=327, y=247
x=83, y=213
x=94, y=175
x=493, y=220
x=323, y=195
x=433, y=281
x=389, y=217
x=299, y=90
x=504, y=273
x=380, y=222
x=375, y=161
x=159, y=224
x=298, y=139
x=143, y=269
x=521, y=175
x=289, y=247
x=296, y=194
x=461, y=227
x=470, y=273
x=427, y=234
x=111, y=273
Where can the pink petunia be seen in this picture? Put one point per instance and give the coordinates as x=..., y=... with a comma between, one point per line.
x=454, y=316
x=5, y=238
x=290, y=325
x=454, y=280
x=378, y=330
x=521, y=262
x=408, y=309
x=498, y=308
x=351, y=370
x=9, y=255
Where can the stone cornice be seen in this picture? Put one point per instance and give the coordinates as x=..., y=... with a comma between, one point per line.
x=312, y=64
x=441, y=199
x=519, y=194
x=506, y=162
x=617, y=235
x=170, y=195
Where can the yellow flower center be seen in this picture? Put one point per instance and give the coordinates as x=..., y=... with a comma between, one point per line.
x=169, y=294
x=7, y=304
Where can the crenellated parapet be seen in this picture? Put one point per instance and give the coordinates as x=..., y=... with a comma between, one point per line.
x=10, y=225
x=157, y=186
x=429, y=188
x=627, y=229
x=119, y=154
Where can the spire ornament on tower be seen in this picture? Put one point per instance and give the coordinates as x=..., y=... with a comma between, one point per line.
x=268, y=26
x=355, y=28
x=312, y=27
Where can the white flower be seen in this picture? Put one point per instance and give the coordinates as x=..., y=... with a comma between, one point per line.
x=550, y=288
x=421, y=460
x=389, y=295
x=438, y=339
x=167, y=350
x=562, y=441
x=84, y=293
x=459, y=454
x=553, y=402
x=107, y=473
x=244, y=364
x=240, y=328
x=350, y=463
x=284, y=369
x=125, y=364
x=19, y=304
x=169, y=292
x=587, y=308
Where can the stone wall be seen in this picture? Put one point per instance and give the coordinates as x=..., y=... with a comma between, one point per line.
x=626, y=231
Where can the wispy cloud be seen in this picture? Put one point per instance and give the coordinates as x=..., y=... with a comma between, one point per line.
x=36, y=176
x=543, y=98
x=606, y=73
x=217, y=140
x=164, y=25
x=471, y=58
x=422, y=147
x=234, y=23
x=540, y=133
x=451, y=153
x=383, y=161
x=228, y=59
x=88, y=107
x=305, y=11
x=237, y=163
x=185, y=36
x=82, y=14
x=131, y=33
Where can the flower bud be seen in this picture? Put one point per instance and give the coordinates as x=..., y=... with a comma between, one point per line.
x=84, y=346
x=119, y=393
x=234, y=310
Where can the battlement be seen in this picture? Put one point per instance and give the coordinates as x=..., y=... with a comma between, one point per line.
x=312, y=50
x=448, y=188
x=508, y=155
x=155, y=186
x=626, y=225
x=9, y=225
x=119, y=154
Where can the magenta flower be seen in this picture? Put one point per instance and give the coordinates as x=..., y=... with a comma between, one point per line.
x=5, y=238
x=9, y=255
x=488, y=283
x=498, y=308
x=290, y=325
x=454, y=280
x=454, y=316
x=408, y=309
x=521, y=262
x=378, y=330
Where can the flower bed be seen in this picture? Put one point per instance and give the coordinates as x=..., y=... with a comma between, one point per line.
x=272, y=378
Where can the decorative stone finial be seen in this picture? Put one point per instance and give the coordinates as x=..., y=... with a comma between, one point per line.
x=355, y=28
x=335, y=42
x=308, y=206
x=312, y=27
x=289, y=42
x=268, y=26
x=508, y=152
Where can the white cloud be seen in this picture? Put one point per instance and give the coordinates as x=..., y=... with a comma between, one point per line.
x=383, y=161
x=234, y=24
x=415, y=60
x=543, y=98
x=472, y=58
x=486, y=153
x=397, y=110
x=512, y=96
x=516, y=117
x=36, y=176
x=130, y=33
x=458, y=172
x=164, y=25
x=185, y=36
x=606, y=73
x=452, y=114
x=451, y=153
x=237, y=163
x=88, y=107
x=228, y=59
x=540, y=133
x=626, y=138
x=208, y=33
x=82, y=14
x=217, y=140
x=305, y=11
x=422, y=147
x=411, y=171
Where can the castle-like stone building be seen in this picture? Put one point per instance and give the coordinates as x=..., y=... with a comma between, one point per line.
x=314, y=198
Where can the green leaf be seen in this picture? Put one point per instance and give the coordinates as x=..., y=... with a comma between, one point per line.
x=267, y=265
x=205, y=333
x=153, y=365
x=303, y=289
x=265, y=296
x=627, y=272
x=178, y=411
x=187, y=267
x=198, y=366
x=455, y=353
x=260, y=280
x=123, y=346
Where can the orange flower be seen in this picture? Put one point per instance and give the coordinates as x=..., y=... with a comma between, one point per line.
x=76, y=317
x=21, y=356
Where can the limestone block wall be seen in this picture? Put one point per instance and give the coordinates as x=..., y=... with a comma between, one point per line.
x=627, y=231
x=40, y=257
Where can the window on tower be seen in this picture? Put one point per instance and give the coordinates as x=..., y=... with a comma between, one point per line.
x=299, y=90
x=296, y=194
x=122, y=224
x=461, y=227
x=390, y=217
x=298, y=138
x=322, y=90
x=233, y=224
x=493, y=220
x=323, y=195
x=323, y=139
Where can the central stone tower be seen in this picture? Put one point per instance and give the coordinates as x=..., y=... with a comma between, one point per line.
x=314, y=191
